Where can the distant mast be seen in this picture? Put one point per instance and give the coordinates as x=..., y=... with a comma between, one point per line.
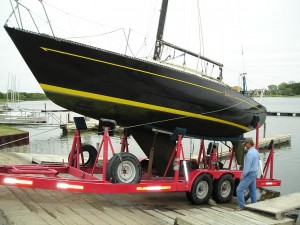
x=160, y=30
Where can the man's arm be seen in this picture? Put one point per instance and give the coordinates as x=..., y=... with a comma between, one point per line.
x=247, y=165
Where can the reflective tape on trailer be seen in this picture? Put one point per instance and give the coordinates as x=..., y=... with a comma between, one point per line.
x=153, y=188
x=10, y=180
x=69, y=186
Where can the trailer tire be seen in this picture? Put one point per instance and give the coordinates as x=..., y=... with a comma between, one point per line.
x=223, y=189
x=189, y=196
x=201, y=190
x=92, y=151
x=124, y=167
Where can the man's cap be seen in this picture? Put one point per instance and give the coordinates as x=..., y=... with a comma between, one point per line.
x=248, y=140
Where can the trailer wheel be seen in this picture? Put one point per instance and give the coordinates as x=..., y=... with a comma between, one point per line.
x=123, y=167
x=223, y=189
x=92, y=154
x=201, y=190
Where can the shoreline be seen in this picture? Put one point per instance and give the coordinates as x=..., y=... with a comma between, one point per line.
x=11, y=137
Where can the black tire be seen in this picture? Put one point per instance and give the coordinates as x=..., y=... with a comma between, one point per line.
x=92, y=154
x=201, y=190
x=189, y=196
x=223, y=189
x=246, y=192
x=124, y=167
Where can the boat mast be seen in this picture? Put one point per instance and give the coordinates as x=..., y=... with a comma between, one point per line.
x=160, y=30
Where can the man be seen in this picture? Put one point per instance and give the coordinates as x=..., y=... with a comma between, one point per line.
x=248, y=177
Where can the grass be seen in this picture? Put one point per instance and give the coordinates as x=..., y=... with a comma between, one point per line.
x=7, y=130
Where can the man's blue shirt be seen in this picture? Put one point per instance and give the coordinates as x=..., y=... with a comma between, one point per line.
x=251, y=161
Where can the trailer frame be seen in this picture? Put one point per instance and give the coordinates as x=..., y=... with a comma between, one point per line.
x=75, y=176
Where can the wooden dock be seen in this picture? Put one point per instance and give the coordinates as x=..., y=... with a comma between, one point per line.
x=295, y=114
x=92, y=125
x=222, y=215
x=278, y=140
x=277, y=207
x=68, y=127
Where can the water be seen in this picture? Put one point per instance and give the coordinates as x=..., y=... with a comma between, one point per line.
x=49, y=140
x=287, y=159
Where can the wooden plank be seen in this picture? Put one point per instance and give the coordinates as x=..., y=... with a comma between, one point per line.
x=226, y=215
x=187, y=220
x=277, y=206
x=224, y=218
x=144, y=217
x=157, y=215
x=265, y=219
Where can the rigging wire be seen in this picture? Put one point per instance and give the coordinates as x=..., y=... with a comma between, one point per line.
x=97, y=35
x=200, y=36
x=243, y=73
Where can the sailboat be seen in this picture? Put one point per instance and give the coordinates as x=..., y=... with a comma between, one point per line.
x=141, y=95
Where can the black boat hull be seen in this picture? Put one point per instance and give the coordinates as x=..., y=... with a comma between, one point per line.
x=101, y=84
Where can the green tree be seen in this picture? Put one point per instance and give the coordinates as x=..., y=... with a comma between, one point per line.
x=2, y=95
x=288, y=91
x=295, y=87
x=272, y=89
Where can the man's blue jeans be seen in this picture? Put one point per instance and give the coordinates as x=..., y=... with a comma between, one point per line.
x=249, y=181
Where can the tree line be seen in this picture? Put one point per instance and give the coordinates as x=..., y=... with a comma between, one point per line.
x=285, y=89
x=22, y=96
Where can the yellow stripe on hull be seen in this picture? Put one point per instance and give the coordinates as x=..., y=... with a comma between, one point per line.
x=83, y=94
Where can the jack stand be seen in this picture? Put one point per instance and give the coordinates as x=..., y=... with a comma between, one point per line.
x=124, y=142
x=178, y=133
x=151, y=157
x=213, y=160
x=202, y=152
x=270, y=161
x=76, y=149
x=104, y=143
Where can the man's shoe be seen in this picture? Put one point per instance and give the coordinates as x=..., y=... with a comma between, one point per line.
x=239, y=209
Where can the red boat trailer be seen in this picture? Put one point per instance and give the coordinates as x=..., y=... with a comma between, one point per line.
x=122, y=173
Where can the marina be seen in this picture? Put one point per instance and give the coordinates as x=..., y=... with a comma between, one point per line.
x=181, y=152
x=29, y=117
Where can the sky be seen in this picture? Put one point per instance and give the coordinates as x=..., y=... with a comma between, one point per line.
x=260, y=38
